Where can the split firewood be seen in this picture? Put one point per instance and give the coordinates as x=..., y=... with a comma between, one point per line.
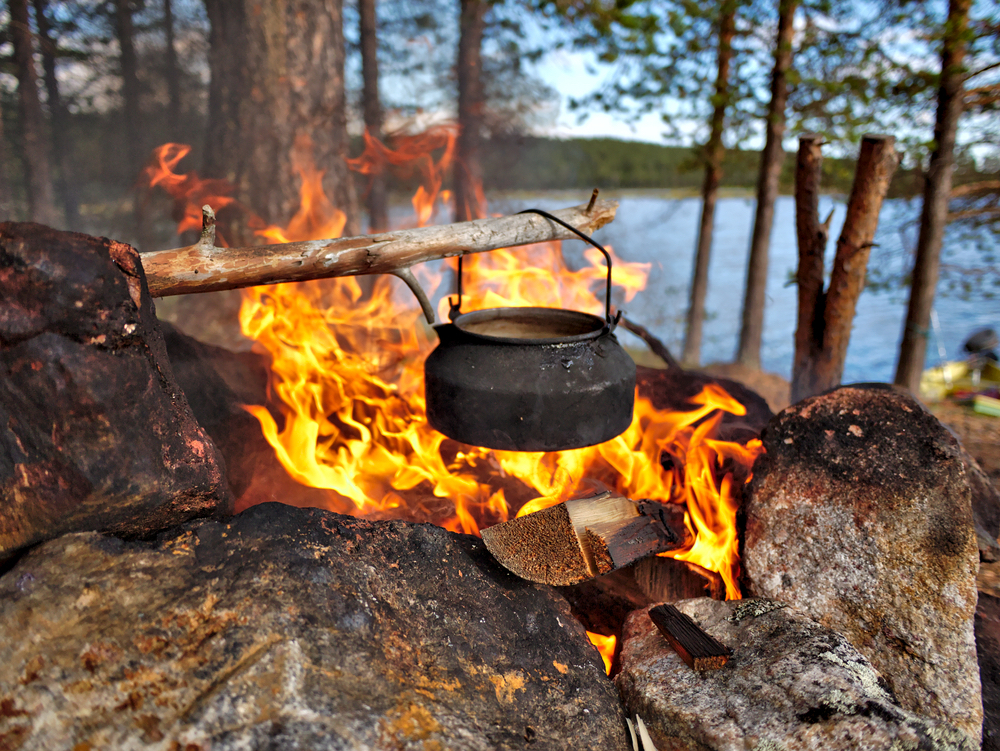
x=202, y=267
x=577, y=540
x=697, y=648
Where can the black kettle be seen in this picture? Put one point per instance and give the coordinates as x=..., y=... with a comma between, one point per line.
x=530, y=379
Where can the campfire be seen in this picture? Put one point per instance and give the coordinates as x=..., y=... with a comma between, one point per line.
x=347, y=377
x=851, y=532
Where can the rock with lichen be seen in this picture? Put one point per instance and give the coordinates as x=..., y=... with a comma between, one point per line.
x=859, y=514
x=790, y=684
x=287, y=628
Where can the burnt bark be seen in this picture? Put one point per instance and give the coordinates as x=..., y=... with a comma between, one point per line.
x=812, y=239
x=714, y=153
x=378, y=213
x=129, y=68
x=65, y=185
x=771, y=161
x=937, y=190
x=173, y=73
x=38, y=174
x=468, y=167
x=278, y=88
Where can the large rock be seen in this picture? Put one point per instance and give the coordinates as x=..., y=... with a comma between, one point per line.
x=289, y=628
x=94, y=432
x=859, y=515
x=790, y=684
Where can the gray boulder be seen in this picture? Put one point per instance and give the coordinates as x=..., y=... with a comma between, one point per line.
x=859, y=515
x=790, y=685
x=292, y=628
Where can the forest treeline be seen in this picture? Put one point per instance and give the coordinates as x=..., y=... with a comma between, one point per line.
x=533, y=163
x=261, y=88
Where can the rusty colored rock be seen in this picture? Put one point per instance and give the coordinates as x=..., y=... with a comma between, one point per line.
x=94, y=432
x=293, y=628
x=789, y=684
x=859, y=515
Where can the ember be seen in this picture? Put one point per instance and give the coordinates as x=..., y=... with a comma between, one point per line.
x=347, y=372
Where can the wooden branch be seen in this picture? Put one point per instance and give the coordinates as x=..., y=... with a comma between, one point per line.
x=657, y=347
x=204, y=268
x=980, y=187
x=697, y=648
x=576, y=540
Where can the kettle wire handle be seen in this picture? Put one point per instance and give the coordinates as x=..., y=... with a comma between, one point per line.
x=456, y=308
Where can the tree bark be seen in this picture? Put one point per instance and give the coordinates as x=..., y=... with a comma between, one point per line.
x=378, y=212
x=812, y=238
x=6, y=192
x=876, y=165
x=714, y=154
x=771, y=161
x=937, y=190
x=41, y=202
x=469, y=203
x=130, y=86
x=65, y=185
x=173, y=74
x=278, y=86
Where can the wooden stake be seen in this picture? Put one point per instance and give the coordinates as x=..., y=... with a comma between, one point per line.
x=202, y=267
x=696, y=647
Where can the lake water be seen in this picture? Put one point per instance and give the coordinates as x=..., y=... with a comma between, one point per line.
x=663, y=231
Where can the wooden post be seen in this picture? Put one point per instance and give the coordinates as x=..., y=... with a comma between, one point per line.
x=827, y=318
x=812, y=238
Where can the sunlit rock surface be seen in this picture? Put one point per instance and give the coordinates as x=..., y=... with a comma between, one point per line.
x=293, y=628
x=859, y=515
x=95, y=434
x=790, y=684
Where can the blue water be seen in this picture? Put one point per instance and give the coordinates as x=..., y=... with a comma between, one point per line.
x=663, y=231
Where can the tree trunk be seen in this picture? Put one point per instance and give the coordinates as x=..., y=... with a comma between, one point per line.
x=714, y=153
x=59, y=120
x=771, y=161
x=378, y=213
x=877, y=163
x=41, y=202
x=130, y=87
x=812, y=238
x=937, y=190
x=469, y=203
x=278, y=88
x=173, y=74
x=6, y=191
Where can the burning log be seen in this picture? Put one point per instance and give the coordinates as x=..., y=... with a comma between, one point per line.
x=697, y=648
x=577, y=540
x=202, y=267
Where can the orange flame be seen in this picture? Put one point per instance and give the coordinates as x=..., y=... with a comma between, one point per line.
x=348, y=373
x=189, y=191
x=606, y=646
x=413, y=152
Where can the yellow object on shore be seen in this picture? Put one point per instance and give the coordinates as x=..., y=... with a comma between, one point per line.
x=958, y=376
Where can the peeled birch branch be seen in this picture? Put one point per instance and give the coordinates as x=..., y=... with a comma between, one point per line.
x=202, y=267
